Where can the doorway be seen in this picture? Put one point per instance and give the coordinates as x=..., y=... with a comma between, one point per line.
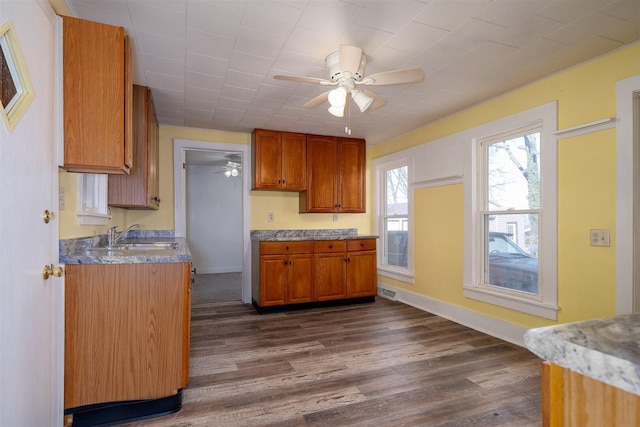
x=211, y=203
x=628, y=195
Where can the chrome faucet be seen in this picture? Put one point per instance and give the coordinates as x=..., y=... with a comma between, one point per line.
x=114, y=237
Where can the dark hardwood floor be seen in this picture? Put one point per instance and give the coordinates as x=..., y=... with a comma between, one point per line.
x=375, y=364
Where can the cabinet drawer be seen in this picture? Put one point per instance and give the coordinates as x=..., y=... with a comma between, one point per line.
x=328, y=246
x=361, y=245
x=279, y=248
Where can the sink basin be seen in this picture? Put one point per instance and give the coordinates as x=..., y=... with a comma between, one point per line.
x=145, y=246
x=136, y=248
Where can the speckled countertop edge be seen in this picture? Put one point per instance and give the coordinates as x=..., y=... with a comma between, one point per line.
x=74, y=251
x=315, y=234
x=607, y=350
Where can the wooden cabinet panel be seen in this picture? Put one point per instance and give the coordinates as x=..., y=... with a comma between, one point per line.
x=299, y=278
x=124, y=332
x=320, y=195
x=273, y=279
x=335, y=175
x=351, y=175
x=570, y=399
x=306, y=271
x=362, y=274
x=285, y=273
x=186, y=323
x=139, y=189
x=330, y=274
x=282, y=248
x=279, y=160
x=294, y=161
x=96, y=83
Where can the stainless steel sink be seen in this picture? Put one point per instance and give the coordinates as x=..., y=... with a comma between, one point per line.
x=145, y=246
x=136, y=248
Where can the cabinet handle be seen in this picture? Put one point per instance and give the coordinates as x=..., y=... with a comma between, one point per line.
x=330, y=246
x=287, y=248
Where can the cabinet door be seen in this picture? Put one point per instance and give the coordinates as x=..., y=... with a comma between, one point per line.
x=95, y=105
x=321, y=175
x=300, y=275
x=361, y=274
x=123, y=332
x=330, y=276
x=294, y=161
x=351, y=175
x=139, y=189
x=266, y=151
x=273, y=279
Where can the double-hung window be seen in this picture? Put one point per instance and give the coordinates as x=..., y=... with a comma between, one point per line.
x=394, y=219
x=514, y=221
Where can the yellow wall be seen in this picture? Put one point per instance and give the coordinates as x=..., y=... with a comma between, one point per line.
x=284, y=205
x=586, y=194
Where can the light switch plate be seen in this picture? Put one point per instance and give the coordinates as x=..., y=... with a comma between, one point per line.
x=599, y=237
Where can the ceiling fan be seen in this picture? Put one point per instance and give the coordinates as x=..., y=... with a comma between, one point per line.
x=231, y=168
x=346, y=70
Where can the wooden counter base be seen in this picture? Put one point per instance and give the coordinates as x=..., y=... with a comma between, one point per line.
x=570, y=399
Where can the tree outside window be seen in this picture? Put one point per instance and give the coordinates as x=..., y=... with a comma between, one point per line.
x=511, y=211
x=395, y=217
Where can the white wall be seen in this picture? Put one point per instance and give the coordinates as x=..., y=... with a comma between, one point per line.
x=214, y=220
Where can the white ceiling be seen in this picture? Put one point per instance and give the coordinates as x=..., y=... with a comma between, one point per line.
x=210, y=63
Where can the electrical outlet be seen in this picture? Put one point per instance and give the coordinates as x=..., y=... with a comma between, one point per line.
x=335, y=217
x=599, y=237
x=270, y=217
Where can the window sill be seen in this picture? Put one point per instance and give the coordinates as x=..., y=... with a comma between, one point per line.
x=533, y=305
x=92, y=218
x=402, y=275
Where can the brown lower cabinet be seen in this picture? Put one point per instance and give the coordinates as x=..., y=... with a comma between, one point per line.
x=297, y=272
x=570, y=399
x=126, y=331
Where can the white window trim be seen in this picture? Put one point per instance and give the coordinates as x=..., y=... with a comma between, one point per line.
x=380, y=167
x=544, y=304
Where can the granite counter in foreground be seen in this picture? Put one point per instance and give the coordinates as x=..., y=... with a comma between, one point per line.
x=607, y=350
x=76, y=251
x=315, y=234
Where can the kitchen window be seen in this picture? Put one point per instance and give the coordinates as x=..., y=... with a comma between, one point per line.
x=514, y=237
x=394, y=221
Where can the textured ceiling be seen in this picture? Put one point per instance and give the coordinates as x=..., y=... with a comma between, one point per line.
x=210, y=63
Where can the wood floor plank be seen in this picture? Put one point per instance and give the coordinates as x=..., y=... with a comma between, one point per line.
x=372, y=364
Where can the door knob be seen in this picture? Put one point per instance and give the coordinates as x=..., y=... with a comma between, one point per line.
x=50, y=270
x=47, y=216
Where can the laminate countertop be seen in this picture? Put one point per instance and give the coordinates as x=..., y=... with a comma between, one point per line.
x=92, y=250
x=607, y=350
x=315, y=234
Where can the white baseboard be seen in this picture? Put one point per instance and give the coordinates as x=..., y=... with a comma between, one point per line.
x=237, y=269
x=498, y=328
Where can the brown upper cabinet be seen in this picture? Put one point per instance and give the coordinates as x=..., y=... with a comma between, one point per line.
x=139, y=189
x=97, y=97
x=279, y=160
x=335, y=175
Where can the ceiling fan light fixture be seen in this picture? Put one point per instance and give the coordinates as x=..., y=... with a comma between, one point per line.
x=362, y=100
x=227, y=173
x=338, y=97
x=337, y=111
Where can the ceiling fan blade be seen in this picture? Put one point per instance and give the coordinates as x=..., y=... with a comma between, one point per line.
x=378, y=101
x=313, y=80
x=349, y=57
x=410, y=75
x=317, y=100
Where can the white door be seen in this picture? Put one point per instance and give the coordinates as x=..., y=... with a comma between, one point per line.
x=30, y=315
